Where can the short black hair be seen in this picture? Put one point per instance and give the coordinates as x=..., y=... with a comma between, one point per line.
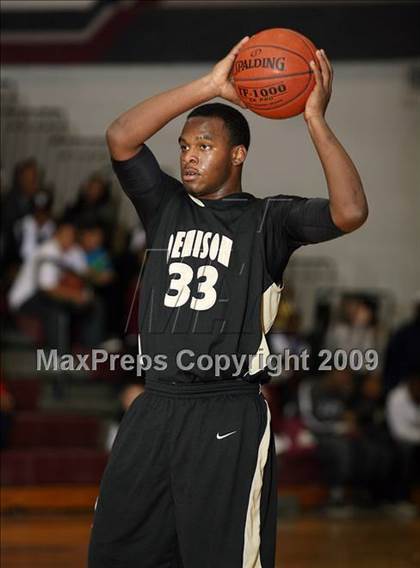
x=234, y=120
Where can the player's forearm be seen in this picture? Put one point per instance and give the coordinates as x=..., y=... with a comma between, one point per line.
x=348, y=204
x=130, y=130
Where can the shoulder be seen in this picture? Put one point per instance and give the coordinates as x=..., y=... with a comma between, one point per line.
x=27, y=222
x=275, y=209
x=142, y=160
x=141, y=174
x=283, y=201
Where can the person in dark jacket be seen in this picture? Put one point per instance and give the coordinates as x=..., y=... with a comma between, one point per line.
x=93, y=206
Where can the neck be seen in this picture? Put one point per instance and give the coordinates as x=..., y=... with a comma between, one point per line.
x=232, y=185
x=221, y=193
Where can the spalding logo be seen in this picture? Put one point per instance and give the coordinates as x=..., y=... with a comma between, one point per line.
x=277, y=63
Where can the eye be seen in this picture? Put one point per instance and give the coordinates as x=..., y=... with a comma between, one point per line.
x=205, y=146
x=183, y=147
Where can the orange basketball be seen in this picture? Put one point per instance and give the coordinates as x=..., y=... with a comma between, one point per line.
x=272, y=74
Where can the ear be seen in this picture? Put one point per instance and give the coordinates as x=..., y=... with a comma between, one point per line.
x=238, y=155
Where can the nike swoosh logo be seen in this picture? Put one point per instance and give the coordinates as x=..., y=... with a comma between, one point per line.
x=219, y=437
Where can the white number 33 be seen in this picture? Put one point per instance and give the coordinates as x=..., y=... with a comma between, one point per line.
x=179, y=291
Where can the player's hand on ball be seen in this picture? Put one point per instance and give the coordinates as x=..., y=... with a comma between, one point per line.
x=318, y=100
x=220, y=76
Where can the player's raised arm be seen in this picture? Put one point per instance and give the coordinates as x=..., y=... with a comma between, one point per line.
x=348, y=205
x=130, y=130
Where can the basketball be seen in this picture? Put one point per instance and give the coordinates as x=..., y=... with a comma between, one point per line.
x=272, y=73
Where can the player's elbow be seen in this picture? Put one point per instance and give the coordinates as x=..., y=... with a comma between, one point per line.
x=115, y=136
x=351, y=219
x=119, y=140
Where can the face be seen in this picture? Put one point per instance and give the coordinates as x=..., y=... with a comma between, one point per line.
x=92, y=239
x=66, y=235
x=208, y=161
x=29, y=179
x=94, y=190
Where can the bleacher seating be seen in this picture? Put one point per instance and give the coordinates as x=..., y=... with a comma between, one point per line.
x=50, y=447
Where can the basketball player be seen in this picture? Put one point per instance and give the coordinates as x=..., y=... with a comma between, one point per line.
x=191, y=479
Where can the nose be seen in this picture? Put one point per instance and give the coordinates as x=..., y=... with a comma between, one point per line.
x=190, y=157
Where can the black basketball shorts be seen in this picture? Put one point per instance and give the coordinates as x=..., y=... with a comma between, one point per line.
x=190, y=482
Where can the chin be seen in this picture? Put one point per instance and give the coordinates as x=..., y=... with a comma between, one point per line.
x=190, y=189
x=198, y=190
x=193, y=189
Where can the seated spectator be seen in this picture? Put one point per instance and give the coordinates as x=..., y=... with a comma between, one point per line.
x=50, y=285
x=324, y=407
x=403, y=416
x=286, y=339
x=94, y=205
x=403, y=353
x=356, y=327
x=36, y=227
x=373, y=447
x=17, y=203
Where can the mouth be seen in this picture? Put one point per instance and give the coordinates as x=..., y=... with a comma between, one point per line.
x=190, y=174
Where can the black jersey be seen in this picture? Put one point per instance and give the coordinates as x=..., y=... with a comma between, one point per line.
x=212, y=277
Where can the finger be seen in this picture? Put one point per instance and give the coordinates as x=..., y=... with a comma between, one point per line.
x=317, y=73
x=330, y=67
x=235, y=49
x=325, y=72
x=327, y=61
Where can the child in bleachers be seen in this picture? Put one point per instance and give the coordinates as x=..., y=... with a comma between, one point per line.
x=100, y=269
x=101, y=275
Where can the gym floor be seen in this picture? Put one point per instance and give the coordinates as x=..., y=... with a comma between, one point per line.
x=49, y=541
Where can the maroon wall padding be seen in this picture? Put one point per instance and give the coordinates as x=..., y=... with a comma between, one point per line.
x=299, y=469
x=32, y=429
x=32, y=327
x=299, y=464
x=25, y=393
x=45, y=465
